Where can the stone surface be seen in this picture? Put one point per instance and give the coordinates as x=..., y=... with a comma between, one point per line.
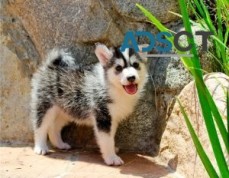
x=21, y=162
x=31, y=28
x=129, y=10
x=49, y=24
x=14, y=102
x=177, y=148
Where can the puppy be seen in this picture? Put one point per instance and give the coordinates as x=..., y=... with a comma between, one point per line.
x=99, y=95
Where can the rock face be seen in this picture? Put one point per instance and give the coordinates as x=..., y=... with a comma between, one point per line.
x=177, y=148
x=31, y=28
x=14, y=101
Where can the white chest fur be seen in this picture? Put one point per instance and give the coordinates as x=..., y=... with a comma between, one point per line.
x=122, y=105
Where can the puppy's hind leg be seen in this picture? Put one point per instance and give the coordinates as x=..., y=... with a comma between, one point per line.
x=43, y=122
x=55, y=131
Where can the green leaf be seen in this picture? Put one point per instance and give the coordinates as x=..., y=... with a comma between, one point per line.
x=154, y=20
x=162, y=28
x=202, y=154
x=218, y=119
x=228, y=111
x=214, y=140
x=203, y=98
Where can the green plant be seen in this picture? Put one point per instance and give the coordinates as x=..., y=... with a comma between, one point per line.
x=210, y=112
x=217, y=23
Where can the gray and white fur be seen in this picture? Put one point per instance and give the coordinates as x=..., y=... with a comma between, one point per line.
x=99, y=95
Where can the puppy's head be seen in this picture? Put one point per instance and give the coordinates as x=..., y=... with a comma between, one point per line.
x=124, y=70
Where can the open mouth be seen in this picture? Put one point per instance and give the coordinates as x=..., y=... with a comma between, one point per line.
x=131, y=88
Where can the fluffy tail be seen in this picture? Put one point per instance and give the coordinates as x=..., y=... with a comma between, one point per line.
x=60, y=57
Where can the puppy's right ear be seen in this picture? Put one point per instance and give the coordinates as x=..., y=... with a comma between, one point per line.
x=103, y=53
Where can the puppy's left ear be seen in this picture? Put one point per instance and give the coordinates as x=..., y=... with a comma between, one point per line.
x=143, y=55
x=103, y=53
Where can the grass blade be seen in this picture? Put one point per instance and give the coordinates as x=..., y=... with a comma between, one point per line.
x=226, y=37
x=203, y=98
x=228, y=111
x=193, y=67
x=214, y=140
x=162, y=28
x=153, y=19
x=207, y=17
x=218, y=120
x=220, y=29
x=206, y=101
x=202, y=154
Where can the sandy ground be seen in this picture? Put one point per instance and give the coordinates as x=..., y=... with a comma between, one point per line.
x=21, y=162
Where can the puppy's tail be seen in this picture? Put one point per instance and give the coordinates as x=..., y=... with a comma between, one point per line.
x=59, y=58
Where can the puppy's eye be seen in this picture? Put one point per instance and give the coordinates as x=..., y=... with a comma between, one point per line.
x=118, y=68
x=135, y=65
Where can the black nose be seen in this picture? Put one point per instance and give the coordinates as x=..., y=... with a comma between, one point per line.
x=131, y=78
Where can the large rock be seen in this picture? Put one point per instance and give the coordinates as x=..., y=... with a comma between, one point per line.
x=14, y=102
x=57, y=23
x=177, y=148
x=129, y=11
x=31, y=28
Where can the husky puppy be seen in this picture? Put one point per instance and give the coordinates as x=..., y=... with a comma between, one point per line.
x=100, y=95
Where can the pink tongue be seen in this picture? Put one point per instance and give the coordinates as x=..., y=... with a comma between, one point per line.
x=131, y=89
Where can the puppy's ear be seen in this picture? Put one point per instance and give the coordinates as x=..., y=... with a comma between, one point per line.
x=143, y=55
x=103, y=53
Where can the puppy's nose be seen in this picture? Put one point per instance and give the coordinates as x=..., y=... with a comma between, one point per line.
x=131, y=78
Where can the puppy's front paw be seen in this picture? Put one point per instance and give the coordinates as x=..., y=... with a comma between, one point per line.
x=41, y=150
x=64, y=146
x=116, y=149
x=113, y=160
